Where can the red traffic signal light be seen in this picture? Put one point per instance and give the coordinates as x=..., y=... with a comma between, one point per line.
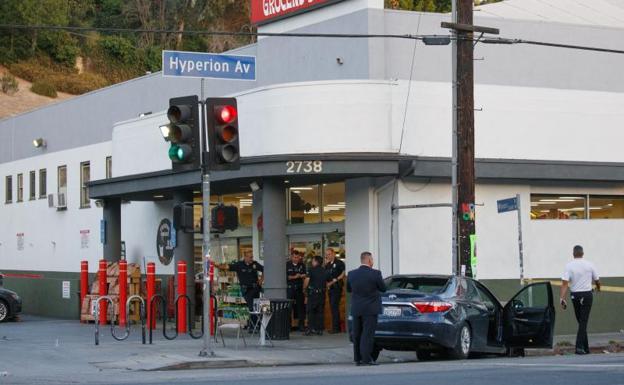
x=223, y=140
x=225, y=114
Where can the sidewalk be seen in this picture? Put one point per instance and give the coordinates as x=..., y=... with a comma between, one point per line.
x=52, y=345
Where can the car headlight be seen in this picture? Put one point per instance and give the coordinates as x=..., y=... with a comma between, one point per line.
x=15, y=296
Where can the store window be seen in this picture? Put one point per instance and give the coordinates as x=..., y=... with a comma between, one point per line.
x=109, y=167
x=20, y=187
x=32, y=184
x=551, y=206
x=303, y=204
x=43, y=183
x=333, y=202
x=8, y=189
x=85, y=177
x=606, y=207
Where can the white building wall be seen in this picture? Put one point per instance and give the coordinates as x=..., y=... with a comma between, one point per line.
x=425, y=242
x=52, y=240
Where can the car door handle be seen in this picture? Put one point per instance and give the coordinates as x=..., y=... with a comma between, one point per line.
x=521, y=319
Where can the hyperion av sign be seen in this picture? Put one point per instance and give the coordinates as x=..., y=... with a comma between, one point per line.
x=208, y=65
x=265, y=11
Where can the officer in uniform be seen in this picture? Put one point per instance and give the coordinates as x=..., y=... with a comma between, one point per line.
x=315, y=284
x=247, y=272
x=335, y=269
x=296, y=273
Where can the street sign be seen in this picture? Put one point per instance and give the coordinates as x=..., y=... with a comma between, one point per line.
x=505, y=205
x=208, y=65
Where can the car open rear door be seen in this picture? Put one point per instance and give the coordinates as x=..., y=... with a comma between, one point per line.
x=529, y=317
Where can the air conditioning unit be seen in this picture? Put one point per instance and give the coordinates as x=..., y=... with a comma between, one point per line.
x=58, y=201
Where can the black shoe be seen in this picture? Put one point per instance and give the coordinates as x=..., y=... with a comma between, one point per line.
x=309, y=333
x=370, y=364
x=580, y=352
x=358, y=363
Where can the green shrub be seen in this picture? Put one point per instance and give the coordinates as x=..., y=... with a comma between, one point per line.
x=119, y=48
x=61, y=78
x=44, y=88
x=9, y=84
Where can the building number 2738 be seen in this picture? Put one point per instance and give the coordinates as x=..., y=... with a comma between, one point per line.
x=304, y=166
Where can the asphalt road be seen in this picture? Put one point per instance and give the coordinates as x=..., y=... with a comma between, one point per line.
x=596, y=369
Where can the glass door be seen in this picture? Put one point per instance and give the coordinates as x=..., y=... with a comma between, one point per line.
x=309, y=244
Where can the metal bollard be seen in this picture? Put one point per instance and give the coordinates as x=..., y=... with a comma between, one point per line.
x=103, y=289
x=151, y=288
x=84, y=281
x=123, y=290
x=181, y=305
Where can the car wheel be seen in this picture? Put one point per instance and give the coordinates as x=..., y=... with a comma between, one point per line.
x=462, y=346
x=424, y=355
x=4, y=311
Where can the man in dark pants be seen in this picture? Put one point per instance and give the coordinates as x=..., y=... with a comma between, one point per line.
x=315, y=284
x=365, y=285
x=248, y=275
x=296, y=273
x=579, y=275
x=335, y=269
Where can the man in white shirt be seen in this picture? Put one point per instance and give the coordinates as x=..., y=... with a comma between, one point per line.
x=579, y=275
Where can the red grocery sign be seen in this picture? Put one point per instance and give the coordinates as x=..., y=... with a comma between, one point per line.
x=264, y=11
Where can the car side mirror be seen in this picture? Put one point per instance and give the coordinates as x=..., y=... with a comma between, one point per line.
x=517, y=305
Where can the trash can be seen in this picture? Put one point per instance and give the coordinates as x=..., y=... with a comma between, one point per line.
x=279, y=325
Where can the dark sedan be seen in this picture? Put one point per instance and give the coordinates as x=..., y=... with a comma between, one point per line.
x=10, y=303
x=457, y=316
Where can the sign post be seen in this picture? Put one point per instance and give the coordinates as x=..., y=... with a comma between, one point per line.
x=513, y=204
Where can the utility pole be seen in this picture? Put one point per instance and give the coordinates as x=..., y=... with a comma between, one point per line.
x=463, y=173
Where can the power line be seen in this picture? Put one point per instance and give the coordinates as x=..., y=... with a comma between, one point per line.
x=500, y=40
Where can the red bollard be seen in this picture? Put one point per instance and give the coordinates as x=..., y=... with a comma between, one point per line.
x=103, y=291
x=212, y=302
x=182, y=301
x=84, y=281
x=151, y=288
x=123, y=291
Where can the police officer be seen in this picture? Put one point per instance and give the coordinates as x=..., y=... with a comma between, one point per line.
x=315, y=284
x=296, y=273
x=335, y=269
x=247, y=272
x=579, y=275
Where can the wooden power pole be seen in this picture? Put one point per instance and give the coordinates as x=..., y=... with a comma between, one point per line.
x=464, y=237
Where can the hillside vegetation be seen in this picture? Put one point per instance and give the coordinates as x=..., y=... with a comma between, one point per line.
x=75, y=62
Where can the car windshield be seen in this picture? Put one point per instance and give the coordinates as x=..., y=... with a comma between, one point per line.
x=427, y=285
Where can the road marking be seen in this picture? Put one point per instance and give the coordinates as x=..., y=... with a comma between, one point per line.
x=564, y=365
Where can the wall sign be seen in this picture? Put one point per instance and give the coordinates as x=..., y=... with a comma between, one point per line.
x=266, y=11
x=304, y=166
x=66, y=293
x=164, y=245
x=84, y=239
x=20, y=241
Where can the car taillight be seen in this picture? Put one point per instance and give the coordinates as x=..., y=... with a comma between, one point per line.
x=432, y=306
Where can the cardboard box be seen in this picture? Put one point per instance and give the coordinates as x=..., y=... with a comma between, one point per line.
x=113, y=269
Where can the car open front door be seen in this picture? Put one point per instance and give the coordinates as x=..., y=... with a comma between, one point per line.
x=529, y=317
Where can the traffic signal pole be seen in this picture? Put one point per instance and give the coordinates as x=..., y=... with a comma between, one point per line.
x=207, y=290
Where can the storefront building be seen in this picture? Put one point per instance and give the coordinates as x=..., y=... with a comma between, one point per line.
x=336, y=135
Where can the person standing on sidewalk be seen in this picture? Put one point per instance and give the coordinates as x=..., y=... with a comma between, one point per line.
x=579, y=275
x=365, y=285
x=248, y=273
x=315, y=284
x=296, y=273
x=336, y=271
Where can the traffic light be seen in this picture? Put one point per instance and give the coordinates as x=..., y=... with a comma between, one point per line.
x=222, y=121
x=224, y=218
x=183, y=133
x=183, y=217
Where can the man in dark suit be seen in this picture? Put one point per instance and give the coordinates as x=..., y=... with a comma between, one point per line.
x=365, y=285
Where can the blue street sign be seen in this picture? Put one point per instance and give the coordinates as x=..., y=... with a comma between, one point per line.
x=208, y=65
x=505, y=205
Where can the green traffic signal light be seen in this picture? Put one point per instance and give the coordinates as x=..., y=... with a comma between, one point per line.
x=180, y=152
